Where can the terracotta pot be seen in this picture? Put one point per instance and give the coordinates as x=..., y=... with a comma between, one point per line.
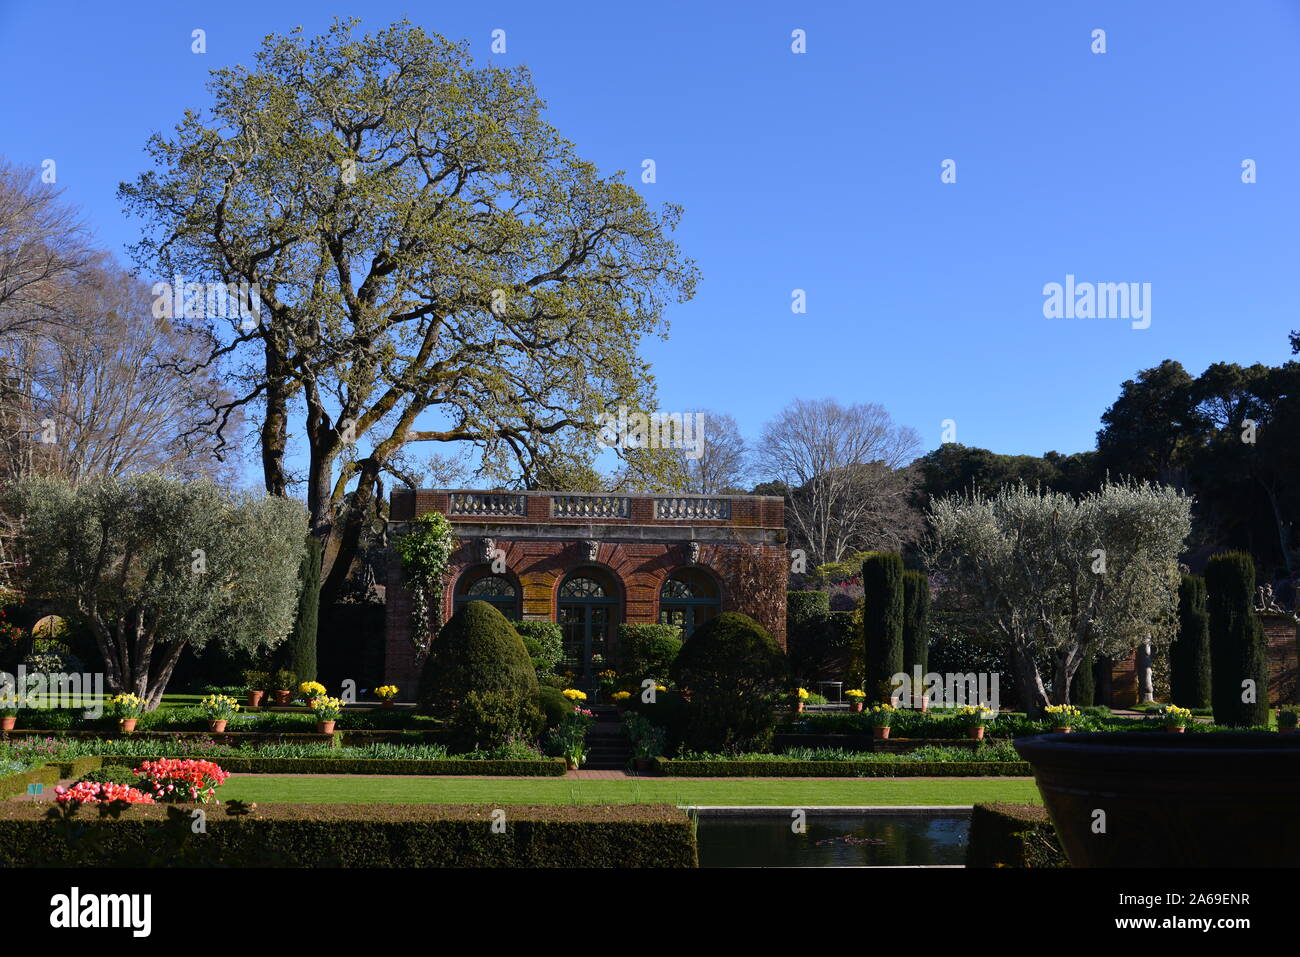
x=798, y=706
x=925, y=703
x=387, y=703
x=7, y=724
x=324, y=727
x=571, y=764
x=282, y=697
x=976, y=733
x=857, y=707
x=641, y=764
x=879, y=733
x=128, y=724
x=1064, y=729
x=217, y=725
x=1249, y=780
x=255, y=698
x=1178, y=730
x=1282, y=730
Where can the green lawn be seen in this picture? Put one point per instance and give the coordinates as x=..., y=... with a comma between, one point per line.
x=781, y=792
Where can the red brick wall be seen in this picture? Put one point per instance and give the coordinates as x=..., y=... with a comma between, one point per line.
x=1280, y=652
x=640, y=552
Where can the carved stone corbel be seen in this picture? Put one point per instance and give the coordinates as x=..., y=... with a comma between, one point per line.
x=591, y=549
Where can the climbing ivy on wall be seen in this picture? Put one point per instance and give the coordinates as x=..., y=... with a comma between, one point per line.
x=425, y=550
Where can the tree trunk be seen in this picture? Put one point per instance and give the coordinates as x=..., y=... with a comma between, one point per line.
x=1146, y=683
x=1029, y=682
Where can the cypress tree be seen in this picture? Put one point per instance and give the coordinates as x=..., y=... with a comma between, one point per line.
x=916, y=621
x=302, y=640
x=1189, y=655
x=1236, y=640
x=882, y=619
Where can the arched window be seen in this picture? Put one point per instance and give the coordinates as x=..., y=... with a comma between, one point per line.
x=497, y=590
x=688, y=599
x=588, y=614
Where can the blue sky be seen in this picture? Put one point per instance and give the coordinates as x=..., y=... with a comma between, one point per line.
x=821, y=171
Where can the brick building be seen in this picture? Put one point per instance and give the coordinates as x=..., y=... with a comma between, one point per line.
x=594, y=561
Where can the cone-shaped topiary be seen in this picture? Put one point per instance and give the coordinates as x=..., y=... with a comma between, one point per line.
x=916, y=621
x=882, y=619
x=734, y=673
x=479, y=651
x=1236, y=642
x=1189, y=655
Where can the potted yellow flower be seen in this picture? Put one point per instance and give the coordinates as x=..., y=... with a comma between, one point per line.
x=327, y=711
x=799, y=695
x=620, y=699
x=386, y=694
x=127, y=708
x=1062, y=717
x=311, y=690
x=1174, y=718
x=1287, y=718
x=574, y=695
x=857, y=698
x=976, y=717
x=881, y=717
x=219, y=709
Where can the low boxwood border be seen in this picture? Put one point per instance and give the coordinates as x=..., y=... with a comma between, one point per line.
x=1013, y=835
x=841, y=769
x=353, y=835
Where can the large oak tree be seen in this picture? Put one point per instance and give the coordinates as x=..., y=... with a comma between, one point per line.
x=433, y=260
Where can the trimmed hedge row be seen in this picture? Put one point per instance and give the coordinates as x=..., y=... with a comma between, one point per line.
x=542, y=767
x=1013, y=835
x=841, y=769
x=353, y=835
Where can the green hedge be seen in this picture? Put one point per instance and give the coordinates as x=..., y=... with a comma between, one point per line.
x=13, y=784
x=1013, y=835
x=841, y=769
x=353, y=835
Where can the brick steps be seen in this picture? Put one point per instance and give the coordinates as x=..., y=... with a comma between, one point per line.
x=608, y=748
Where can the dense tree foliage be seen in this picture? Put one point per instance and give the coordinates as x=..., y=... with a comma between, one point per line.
x=155, y=565
x=1063, y=578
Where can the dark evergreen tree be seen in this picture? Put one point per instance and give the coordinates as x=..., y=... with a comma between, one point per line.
x=302, y=640
x=1189, y=655
x=916, y=621
x=1236, y=641
x=882, y=620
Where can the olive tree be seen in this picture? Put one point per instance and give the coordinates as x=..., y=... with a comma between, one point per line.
x=155, y=565
x=1058, y=579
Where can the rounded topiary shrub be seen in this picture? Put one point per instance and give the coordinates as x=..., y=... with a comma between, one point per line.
x=553, y=705
x=733, y=673
x=647, y=650
x=478, y=652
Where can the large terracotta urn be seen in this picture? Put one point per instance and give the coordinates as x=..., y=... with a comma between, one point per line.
x=1219, y=799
